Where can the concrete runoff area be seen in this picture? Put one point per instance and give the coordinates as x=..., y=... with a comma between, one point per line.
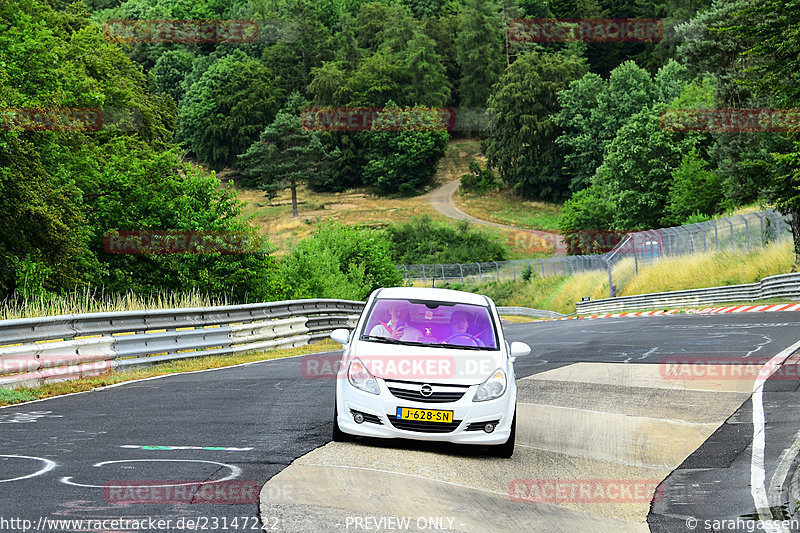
x=607, y=422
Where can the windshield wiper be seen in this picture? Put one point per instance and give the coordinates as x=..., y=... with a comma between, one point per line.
x=461, y=346
x=387, y=340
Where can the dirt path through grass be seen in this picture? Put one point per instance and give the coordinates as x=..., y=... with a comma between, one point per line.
x=441, y=200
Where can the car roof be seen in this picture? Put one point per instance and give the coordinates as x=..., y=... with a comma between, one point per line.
x=426, y=293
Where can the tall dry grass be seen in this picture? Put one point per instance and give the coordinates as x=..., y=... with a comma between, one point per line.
x=94, y=300
x=712, y=269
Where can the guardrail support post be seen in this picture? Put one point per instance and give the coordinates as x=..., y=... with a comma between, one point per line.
x=498, y=269
x=480, y=278
x=461, y=269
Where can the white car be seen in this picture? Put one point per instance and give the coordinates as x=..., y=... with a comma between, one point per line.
x=428, y=364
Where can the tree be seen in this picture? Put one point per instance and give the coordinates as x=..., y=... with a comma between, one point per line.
x=593, y=110
x=774, y=40
x=404, y=160
x=285, y=154
x=636, y=174
x=479, y=45
x=427, y=83
x=521, y=140
x=170, y=70
x=591, y=113
x=222, y=112
x=694, y=189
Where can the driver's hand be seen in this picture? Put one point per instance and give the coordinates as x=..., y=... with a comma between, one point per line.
x=397, y=334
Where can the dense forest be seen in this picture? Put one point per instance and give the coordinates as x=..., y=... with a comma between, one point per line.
x=576, y=122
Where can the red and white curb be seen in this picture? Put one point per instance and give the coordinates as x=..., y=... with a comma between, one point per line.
x=704, y=311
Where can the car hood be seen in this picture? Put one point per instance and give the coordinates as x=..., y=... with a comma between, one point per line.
x=425, y=364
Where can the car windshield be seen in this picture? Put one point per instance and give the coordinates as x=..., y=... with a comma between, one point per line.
x=430, y=323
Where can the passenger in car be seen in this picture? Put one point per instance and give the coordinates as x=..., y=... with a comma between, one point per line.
x=398, y=326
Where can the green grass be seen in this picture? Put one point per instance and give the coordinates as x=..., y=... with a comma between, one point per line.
x=503, y=207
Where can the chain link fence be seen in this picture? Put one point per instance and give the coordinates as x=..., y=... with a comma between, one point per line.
x=743, y=233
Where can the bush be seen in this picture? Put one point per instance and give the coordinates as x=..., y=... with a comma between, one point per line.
x=338, y=262
x=527, y=272
x=479, y=180
x=586, y=215
x=423, y=241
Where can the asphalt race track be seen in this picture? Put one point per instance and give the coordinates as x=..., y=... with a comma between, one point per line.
x=595, y=404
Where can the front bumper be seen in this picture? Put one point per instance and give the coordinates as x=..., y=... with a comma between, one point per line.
x=383, y=407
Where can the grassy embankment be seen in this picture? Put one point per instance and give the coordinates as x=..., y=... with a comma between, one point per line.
x=560, y=293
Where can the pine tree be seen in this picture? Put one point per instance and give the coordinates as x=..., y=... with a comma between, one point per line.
x=428, y=84
x=285, y=154
x=480, y=51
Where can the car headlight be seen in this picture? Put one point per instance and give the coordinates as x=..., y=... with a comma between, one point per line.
x=360, y=378
x=492, y=388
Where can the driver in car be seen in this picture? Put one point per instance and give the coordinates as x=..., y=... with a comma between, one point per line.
x=397, y=328
x=459, y=326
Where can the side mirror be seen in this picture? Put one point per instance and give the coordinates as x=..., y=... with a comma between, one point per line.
x=518, y=349
x=342, y=336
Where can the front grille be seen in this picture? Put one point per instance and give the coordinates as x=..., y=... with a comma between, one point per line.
x=435, y=397
x=372, y=419
x=409, y=390
x=478, y=426
x=423, y=427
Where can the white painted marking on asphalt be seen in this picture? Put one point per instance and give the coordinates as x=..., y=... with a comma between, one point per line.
x=48, y=466
x=757, y=473
x=235, y=471
x=27, y=418
x=649, y=352
x=782, y=471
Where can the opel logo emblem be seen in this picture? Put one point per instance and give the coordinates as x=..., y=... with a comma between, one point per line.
x=426, y=390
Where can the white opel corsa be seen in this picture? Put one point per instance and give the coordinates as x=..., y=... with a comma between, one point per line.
x=428, y=364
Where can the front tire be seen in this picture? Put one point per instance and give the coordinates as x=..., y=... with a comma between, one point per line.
x=338, y=434
x=506, y=450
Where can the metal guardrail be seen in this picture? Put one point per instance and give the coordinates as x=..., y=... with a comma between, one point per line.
x=527, y=311
x=782, y=286
x=53, y=348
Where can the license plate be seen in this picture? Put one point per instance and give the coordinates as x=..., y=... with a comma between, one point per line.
x=425, y=415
